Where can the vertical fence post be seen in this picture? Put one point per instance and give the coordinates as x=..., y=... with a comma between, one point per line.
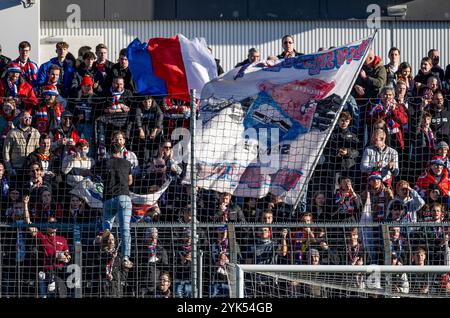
x=200, y=274
x=387, y=256
x=193, y=197
x=78, y=261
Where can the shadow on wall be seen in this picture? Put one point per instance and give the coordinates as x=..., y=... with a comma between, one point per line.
x=5, y=4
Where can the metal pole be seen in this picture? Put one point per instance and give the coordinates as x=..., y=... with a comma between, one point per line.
x=239, y=282
x=193, y=197
x=200, y=274
x=344, y=100
x=78, y=261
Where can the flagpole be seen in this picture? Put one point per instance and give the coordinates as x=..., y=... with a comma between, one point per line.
x=347, y=94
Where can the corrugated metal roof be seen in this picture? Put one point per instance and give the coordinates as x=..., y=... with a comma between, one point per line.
x=230, y=40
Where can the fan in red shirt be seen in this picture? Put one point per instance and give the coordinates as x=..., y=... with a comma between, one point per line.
x=55, y=250
x=16, y=86
x=437, y=175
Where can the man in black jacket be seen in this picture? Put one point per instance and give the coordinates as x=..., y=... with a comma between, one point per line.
x=145, y=128
x=121, y=69
x=102, y=65
x=115, y=114
x=342, y=150
x=252, y=57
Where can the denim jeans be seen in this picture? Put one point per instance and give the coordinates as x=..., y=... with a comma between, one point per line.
x=219, y=290
x=184, y=289
x=121, y=206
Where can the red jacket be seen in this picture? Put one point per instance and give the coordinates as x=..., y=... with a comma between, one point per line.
x=427, y=178
x=51, y=247
x=25, y=94
x=396, y=120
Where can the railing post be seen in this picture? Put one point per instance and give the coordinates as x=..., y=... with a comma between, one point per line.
x=194, y=235
x=200, y=274
x=78, y=261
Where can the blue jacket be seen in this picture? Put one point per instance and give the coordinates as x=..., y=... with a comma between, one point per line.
x=66, y=78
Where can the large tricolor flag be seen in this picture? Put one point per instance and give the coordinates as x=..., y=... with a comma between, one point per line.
x=171, y=66
x=263, y=125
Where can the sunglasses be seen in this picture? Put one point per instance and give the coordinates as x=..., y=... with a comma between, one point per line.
x=288, y=42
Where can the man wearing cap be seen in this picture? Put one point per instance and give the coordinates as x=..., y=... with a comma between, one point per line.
x=155, y=255
x=435, y=174
x=16, y=86
x=19, y=143
x=380, y=196
x=399, y=281
x=65, y=135
x=440, y=118
x=410, y=200
x=48, y=114
x=442, y=150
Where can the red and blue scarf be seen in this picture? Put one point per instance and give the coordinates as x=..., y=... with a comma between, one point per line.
x=29, y=70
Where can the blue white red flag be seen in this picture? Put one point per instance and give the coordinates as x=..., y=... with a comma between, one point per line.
x=171, y=66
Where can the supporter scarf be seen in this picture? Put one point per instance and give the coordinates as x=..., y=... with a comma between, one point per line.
x=44, y=157
x=152, y=250
x=223, y=245
x=394, y=127
x=29, y=70
x=116, y=97
x=109, y=267
x=13, y=88
x=224, y=216
x=345, y=201
x=430, y=137
x=353, y=253
x=124, y=153
x=377, y=109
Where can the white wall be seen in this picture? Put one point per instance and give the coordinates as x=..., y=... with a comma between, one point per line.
x=19, y=24
x=230, y=40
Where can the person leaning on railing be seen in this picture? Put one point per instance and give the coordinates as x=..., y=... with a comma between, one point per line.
x=56, y=255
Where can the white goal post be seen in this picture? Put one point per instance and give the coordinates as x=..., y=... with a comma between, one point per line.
x=237, y=272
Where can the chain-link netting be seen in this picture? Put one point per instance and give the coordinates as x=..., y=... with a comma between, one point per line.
x=55, y=169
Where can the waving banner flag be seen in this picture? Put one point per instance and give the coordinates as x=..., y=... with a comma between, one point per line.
x=263, y=125
x=171, y=66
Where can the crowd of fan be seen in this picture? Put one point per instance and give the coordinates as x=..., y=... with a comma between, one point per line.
x=389, y=149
